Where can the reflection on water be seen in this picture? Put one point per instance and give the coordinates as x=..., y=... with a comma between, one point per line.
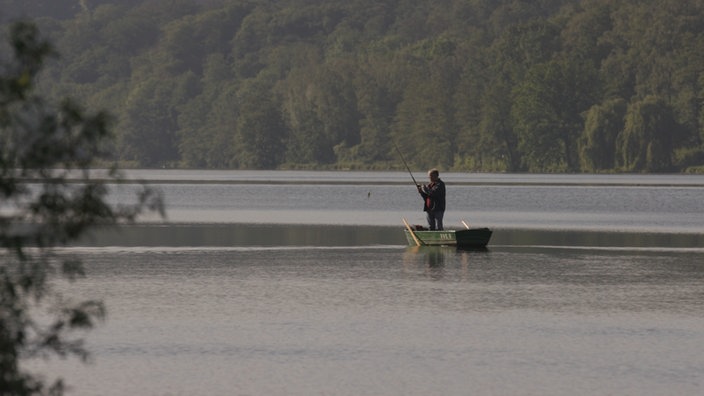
x=596, y=238
x=430, y=258
x=434, y=261
x=224, y=235
x=320, y=317
x=640, y=204
x=237, y=298
x=434, y=257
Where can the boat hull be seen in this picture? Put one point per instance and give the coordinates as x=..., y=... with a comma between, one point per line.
x=470, y=238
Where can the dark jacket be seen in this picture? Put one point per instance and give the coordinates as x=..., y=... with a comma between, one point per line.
x=433, y=196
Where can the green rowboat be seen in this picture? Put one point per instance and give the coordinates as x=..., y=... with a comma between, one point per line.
x=468, y=238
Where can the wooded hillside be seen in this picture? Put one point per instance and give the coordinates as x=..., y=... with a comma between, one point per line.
x=464, y=85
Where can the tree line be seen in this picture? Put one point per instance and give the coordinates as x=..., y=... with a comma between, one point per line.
x=463, y=85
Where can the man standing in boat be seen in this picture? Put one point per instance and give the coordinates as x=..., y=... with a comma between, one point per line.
x=433, y=195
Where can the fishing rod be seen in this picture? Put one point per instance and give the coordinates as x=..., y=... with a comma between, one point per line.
x=404, y=162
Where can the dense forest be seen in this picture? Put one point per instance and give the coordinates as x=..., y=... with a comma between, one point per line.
x=462, y=85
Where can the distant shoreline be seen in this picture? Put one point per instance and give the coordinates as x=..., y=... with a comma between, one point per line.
x=379, y=178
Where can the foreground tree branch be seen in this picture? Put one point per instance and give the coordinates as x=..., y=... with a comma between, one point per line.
x=48, y=198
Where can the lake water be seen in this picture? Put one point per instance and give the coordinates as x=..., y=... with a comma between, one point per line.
x=300, y=283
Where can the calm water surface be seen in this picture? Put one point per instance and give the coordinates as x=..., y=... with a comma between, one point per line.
x=267, y=283
x=641, y=203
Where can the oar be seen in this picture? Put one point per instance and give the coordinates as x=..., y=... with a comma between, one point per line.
x=413, y=234
x=465, y=224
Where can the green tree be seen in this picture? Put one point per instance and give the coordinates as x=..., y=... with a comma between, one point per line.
x=320, y=111
x=597, y=150
x=497, y=146
x=204, y=141
x=547, y=113
x=190, y=40
x=477, y=146
x=50, y=197
x=648, y=138
x=520, y=45
x=376, y=107
x=584, y=30
x=150, y=123
x=259, y=129
x=344, y=73
x=425, y=118
x=424, y=124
